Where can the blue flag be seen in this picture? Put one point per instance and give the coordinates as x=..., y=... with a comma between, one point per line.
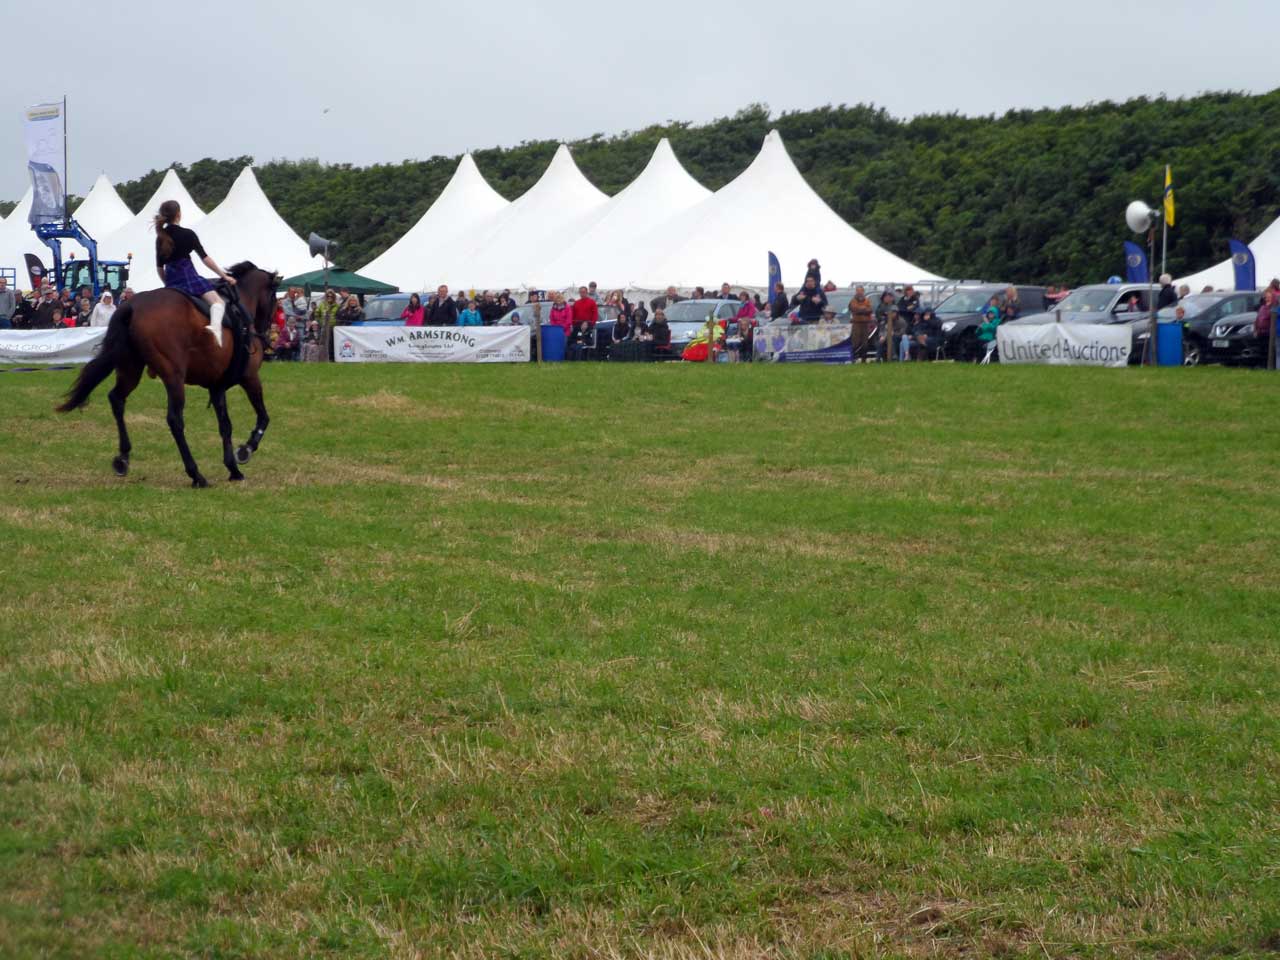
x=1246, y=269
x=775, y=272
x=1135, y=263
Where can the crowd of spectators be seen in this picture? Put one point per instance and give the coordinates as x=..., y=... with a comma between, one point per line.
x=894, y=322
x=48, y=307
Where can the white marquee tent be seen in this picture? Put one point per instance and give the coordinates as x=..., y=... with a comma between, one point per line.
x=464, y=208
x=515, y=246
x=17, y=239
x=245, y=226
x=1266, y=256
x=770, y=206
x=138, y=237
x=102, y=212
x=605, y=252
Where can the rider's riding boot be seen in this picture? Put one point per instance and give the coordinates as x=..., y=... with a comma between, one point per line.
x=215, y=320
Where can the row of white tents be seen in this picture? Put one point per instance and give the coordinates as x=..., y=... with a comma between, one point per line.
x=663, y=229
x=245, y=226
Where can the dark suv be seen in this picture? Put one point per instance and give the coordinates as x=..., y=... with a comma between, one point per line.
x=1202, y=312
x=1233, y=341
x=961, y=314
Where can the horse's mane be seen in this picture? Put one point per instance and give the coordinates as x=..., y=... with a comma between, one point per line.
x=262, y=317
x=238, y=270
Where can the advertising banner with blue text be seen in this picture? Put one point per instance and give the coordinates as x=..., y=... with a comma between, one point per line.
x=431, y=344
x=804, y=343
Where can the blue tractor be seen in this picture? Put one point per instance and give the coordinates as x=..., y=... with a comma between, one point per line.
x=72, y=274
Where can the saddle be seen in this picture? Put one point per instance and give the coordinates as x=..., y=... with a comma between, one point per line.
x=234, y=309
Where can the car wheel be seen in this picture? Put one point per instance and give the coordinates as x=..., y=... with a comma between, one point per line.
x=1192, y=353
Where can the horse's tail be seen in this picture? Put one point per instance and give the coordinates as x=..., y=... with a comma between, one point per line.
x=113, y=351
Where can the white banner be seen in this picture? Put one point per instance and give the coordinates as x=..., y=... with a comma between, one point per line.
x=45, y=130
x=431, y=344
x=60, y=345
x=1066, y=344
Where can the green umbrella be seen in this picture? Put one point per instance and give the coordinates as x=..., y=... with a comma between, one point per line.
x=338, y=280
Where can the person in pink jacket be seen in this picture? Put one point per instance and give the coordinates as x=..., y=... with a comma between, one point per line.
x=412, y=315
x=561, y=315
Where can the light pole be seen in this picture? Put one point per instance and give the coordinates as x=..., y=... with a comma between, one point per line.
x=1143, y=219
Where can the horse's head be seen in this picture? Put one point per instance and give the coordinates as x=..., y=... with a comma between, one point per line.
x=257, y=292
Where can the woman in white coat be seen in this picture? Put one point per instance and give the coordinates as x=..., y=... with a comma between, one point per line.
x=102, y=310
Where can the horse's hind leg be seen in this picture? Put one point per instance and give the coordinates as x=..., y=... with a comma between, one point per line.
x=252, y=387
x=219, y=400
x=177, y=401
x=127, y=377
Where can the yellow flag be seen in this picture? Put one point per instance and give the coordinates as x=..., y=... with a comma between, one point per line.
x=1168, y=195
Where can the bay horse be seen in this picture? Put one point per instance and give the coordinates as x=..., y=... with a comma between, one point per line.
x=165, y=334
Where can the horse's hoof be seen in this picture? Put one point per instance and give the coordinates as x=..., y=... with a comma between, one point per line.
x=235, y=477
x=121, y=466
x=199, y=483
x=243, y=453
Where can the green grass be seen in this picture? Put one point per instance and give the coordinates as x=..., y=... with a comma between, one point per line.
x=593, y=661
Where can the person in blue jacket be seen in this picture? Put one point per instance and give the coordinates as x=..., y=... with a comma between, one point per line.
x=470, y=317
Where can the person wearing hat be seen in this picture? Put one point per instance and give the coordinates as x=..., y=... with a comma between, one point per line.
x=861, y=311
x=103, y=311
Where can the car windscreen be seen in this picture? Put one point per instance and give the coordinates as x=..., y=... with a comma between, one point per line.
x=1192, y=306
x=384, y=309
x=1087, y=301
x=690, y=311
x=964, y=301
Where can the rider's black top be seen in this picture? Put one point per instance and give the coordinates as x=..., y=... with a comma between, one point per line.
x=184, y=242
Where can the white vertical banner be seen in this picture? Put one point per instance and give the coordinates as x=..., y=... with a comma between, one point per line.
x=45, y=130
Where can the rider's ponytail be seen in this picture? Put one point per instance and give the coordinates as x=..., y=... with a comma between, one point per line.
x=169, y=211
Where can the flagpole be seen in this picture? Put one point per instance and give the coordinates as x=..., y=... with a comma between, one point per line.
x=1164, y=247
x=66, y=186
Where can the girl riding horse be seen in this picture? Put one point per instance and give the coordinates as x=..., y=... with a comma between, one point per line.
x=174, y=246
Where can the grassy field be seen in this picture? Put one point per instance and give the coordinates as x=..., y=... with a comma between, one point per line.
x=623, y=661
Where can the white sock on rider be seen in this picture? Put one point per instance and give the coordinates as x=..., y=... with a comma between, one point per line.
x=216, y=311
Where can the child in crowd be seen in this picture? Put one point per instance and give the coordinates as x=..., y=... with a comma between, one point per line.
x=311, y=343
x=470, y=317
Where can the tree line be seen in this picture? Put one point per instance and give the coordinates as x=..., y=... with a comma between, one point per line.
x=1029, y=196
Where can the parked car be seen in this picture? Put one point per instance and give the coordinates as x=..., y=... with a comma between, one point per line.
x=961, y=314
x=1202, y=312
x=1106, y=303
x=534, y=315
x=385, y=310
x=685, y=319
x=1233, y=341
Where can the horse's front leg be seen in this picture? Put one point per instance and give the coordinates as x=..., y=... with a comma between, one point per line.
x=219, y=401
x=177, y=401
x=252, y=387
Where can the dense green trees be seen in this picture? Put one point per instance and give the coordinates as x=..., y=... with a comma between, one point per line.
x=1034, y=195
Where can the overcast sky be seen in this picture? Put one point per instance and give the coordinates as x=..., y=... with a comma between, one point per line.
x=151, y=82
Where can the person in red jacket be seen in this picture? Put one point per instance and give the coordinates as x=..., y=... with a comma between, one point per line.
x=585, y=313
